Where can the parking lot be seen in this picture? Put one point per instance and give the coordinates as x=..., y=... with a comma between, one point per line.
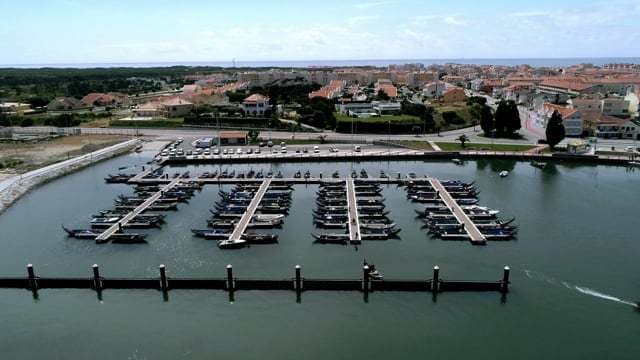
x=190, y=149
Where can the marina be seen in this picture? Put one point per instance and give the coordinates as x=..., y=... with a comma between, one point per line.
x=541, y=241
x=475, y=235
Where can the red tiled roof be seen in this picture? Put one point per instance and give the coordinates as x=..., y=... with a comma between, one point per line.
x=563, y=111
x=255, y=98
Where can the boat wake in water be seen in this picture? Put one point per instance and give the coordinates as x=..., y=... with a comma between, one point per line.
x=583, y=290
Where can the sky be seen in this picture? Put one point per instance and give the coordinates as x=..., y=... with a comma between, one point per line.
x=111, y=31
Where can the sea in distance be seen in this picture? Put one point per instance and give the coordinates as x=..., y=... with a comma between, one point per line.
x=574, y=274
x=535, y=62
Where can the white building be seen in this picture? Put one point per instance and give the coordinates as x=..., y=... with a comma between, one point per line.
x=571, y=118
x=255, y=105
x=387, y=108
x=434, y=89
x=614, y=106
x=612, y=127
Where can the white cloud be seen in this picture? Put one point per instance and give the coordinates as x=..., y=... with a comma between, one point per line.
x=361, y=20
x=368, y=5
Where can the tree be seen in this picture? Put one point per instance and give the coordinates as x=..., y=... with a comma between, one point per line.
x=486, y=120
x=507, y=118
x=555, y=130
x=26, y=122
x=253, y=135
x=382, y=95
x=38, y=101
x=429, y=121
x=463, y=140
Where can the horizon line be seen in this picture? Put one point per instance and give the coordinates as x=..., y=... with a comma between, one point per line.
x=409, y=61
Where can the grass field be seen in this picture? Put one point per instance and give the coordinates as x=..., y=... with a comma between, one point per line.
x=155, y=123
x=414, y=144
x=483, y=147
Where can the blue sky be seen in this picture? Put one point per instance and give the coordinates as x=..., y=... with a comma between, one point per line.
x=81, y=31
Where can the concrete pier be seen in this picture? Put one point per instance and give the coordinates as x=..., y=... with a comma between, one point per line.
x=137, y=211
x=469, y=226
x=251, y=210
x=355, y=237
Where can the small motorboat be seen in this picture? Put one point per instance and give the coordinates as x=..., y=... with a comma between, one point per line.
x=232, y=244
x=504, y=174
x=374, y=274
x=456, y=161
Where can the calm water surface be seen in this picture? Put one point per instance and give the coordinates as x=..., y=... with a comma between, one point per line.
x=575, y=256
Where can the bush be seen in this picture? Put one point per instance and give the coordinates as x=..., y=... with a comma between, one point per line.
x=452, y=118
x=147, y=123
x=27, y=122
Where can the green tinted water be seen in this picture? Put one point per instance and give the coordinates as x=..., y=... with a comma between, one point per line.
x=577, y=239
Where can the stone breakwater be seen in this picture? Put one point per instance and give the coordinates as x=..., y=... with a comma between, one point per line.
x=13, y=188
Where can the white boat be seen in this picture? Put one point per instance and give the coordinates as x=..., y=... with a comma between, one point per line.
x=232, y=244
x=504, y=173
x=634, y=163
x=268, y=217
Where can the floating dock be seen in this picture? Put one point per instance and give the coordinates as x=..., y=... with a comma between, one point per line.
x=230, y=283
x=474, y=234
x=251, y=210
x=355, y=236
x=297, y=181
x=137, y=211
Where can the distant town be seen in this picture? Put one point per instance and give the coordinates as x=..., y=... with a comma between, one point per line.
x=592, y=101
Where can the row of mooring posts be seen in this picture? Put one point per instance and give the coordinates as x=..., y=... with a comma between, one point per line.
x=230, y=281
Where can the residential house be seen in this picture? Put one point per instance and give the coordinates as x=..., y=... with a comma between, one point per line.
x=434, y=89
x=14, y=107
x=584, y=104
x=255, y=105
x=64, y=104
x=633, y=97
x=612, y=127
x=419, y=79
x=176, y=107
x=614, y=106
x=565, y=87
x=454, y=95
x=521, y=93
x=332, y=91
x=386, y=86
x=104, y=100
x=387, y=107
x=355, y=108
x=571, y=118
x=164, y=108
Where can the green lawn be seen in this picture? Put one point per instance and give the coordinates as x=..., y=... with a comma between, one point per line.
x=395, y=119
x=414, y=144
x=155, y=123
x=484, y=147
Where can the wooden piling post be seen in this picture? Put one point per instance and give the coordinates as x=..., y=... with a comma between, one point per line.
x=435, y=282
x=33, y=284
x=163, y=278
x=230, y=282
x=504, y=286
x=298, y=282
x=97, y=281
x=365, y=279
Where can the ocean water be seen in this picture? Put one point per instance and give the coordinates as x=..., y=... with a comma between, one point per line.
x=535, y=62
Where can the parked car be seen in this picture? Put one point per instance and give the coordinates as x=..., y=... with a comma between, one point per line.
x=316, y=149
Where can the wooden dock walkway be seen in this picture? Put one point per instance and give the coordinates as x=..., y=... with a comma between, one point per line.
x=251, y=209
x=141, y=175
x=137, y=211
x=469, y=226
x=299, y=181
x=355, y=237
